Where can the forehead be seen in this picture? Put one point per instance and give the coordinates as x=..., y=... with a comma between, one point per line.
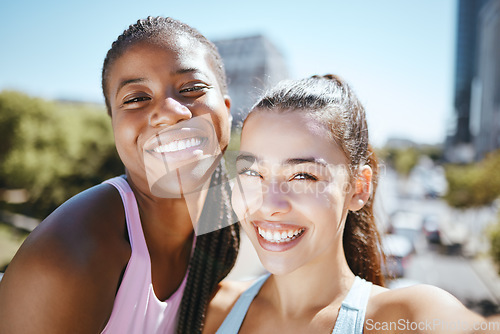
x=172, y=53
x=280, y=136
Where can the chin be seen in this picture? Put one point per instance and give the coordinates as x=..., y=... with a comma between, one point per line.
x=278, y=264
x=184, y=180
x=279, y=270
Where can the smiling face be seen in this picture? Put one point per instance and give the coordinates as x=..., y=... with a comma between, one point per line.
x=293, y=190
x=169, y=115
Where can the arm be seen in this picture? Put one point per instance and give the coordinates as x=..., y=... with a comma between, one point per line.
x=64, y=277
x=448, y=314
x=423, y=309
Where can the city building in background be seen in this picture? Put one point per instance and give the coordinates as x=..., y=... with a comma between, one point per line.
x=253, y=64
x=476, y=126
x=485, y=106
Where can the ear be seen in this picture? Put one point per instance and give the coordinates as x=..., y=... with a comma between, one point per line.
x=362, y=188
x=227, y=102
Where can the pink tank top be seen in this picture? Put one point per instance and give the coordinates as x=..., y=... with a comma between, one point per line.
x=136, y=308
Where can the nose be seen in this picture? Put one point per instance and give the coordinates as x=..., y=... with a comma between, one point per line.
x=169, y=112
x=275, y=199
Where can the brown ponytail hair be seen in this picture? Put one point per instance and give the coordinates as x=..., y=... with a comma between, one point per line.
x=362, y=243
x=330, y=100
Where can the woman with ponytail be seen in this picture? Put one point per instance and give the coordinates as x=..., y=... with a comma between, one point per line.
x=123, y=257
x=306, y=180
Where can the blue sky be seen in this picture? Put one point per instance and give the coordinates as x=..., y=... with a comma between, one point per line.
x=398, y=55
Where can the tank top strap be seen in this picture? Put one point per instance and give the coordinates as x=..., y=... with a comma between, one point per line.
x=235, y=318
x=134, y=227
x=351, y=316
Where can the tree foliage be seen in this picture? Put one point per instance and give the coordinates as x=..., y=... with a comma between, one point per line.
x=474, y=185
x=403, y=160
x=53, y=149
x=494, y=235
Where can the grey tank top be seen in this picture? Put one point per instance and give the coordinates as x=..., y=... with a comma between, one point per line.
x=350, y=320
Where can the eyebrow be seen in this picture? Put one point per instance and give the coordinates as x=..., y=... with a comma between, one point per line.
x=124, y=83
x=292, y=161
x=310, y=160
x=247, y=157
x=187, y=70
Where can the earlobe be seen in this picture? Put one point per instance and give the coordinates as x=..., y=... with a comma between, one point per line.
x=363, y=188
x=227, y=102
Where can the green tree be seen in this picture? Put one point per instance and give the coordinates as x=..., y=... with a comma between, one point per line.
x=405, y=160
x=474, y=185
x=477, y=185
x=494, y=235
x=53, y=149
x=401, y=159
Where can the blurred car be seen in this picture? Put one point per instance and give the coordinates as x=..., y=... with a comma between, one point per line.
x=398, y=251
x=406, y=223
x=431, y=229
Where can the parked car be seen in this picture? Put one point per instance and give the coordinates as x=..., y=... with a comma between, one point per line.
x=398, y=251
x=406, y=223
x=431, y=229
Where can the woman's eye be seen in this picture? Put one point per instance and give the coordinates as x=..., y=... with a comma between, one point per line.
x=196, y=88
x=136, y=99
x=304, y=176
x=249, y=172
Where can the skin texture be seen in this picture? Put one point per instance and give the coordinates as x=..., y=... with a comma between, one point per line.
x=65, y=276
x=311, y=278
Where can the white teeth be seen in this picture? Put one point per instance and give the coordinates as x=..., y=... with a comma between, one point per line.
x=178, y=145
x=276, y=236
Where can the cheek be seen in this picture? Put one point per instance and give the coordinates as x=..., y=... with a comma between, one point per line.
x=238, y=201
x=126, y=137
x=247, y=197
x=220, y=118
x=324, y=204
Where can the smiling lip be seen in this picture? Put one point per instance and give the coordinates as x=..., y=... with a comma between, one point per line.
x=179, y=145
x=189, y=136
x=278, y=236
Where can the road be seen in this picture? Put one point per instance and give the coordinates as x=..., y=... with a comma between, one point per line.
x=453, y=273
x=452, y=265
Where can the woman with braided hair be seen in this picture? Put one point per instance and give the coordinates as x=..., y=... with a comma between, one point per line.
x=122, y=257
x=304, y=196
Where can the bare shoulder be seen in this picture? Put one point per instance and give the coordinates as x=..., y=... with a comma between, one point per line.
x=69, y=267
x=416, y=305
x=221, y=304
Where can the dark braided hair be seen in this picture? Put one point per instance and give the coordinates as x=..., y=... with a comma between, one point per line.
x=330, y=100
x=215, y=253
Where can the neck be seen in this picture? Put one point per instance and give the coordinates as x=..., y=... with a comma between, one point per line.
x=168, y=223
x=323, y=282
